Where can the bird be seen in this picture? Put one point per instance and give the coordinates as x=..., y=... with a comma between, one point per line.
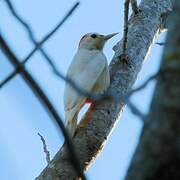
x=89, y=71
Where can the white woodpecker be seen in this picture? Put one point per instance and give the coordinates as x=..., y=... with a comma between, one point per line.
x=89, y=71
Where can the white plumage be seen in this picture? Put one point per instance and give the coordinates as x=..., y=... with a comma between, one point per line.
x=89, y=70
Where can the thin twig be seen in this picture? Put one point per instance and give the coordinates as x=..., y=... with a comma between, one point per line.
x=47, y=153
x=40, y=43
x=135, y=110
x=134, y=6
x=126, y=13
x=158, y=74
x=143, y=85
x=45, y=102
x=161, y=43
x=8, y=78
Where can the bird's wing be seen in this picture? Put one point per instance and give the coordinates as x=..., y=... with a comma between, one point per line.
x=84, y=70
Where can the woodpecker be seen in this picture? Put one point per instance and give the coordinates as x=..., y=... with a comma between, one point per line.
x=89, y=71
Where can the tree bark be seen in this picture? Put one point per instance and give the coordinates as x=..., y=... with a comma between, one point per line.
x=158, y=154
x=99, y=121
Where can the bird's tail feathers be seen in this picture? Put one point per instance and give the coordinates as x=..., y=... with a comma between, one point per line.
x=71, y=121
x=71, y=126
x=71, y=117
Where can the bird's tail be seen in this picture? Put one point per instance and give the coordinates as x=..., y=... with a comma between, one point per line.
x=71, y=116
x=71, y=121
x=71, y=126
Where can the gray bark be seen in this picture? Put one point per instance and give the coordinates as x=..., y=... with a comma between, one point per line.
x=99, y=121
x=158, y=154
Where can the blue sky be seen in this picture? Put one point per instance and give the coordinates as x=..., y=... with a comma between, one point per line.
x=22, y=116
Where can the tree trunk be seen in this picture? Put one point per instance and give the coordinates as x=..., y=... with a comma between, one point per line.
x=98, y=122
x=158, y=154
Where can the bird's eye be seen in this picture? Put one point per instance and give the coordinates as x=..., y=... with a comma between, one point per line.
x=93, y=35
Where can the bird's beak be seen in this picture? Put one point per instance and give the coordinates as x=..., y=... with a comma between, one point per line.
x=109, y=36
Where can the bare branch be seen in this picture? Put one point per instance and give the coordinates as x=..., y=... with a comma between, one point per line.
x=45, y=102
x=136, y=111
x=158, y=74
x=134, y=6
x=143, y=85
x=38, y=44
x=47, y=154
x=8, y=78
x=126, y=13
x=161, y=43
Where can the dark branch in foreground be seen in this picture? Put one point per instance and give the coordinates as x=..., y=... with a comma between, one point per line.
x=8, y=78
x=45, y=102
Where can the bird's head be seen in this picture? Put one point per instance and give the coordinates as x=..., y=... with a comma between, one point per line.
x=94, y=41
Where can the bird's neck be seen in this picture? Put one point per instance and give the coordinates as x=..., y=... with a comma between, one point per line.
x=90, y=49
